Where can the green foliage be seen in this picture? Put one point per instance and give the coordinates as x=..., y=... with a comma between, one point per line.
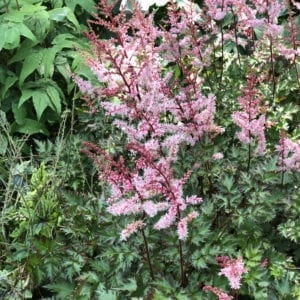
x=38, y=46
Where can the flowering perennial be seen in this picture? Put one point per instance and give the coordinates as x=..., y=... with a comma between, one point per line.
x=288, y=154
x=232, y=269
x=218, y=292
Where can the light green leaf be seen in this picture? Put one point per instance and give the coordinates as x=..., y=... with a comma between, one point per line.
x=14, y=16
x=54, y=98
x=31, y=63
x=3, y=33
x=40, y=102
x=12, y=37
x=25, y=31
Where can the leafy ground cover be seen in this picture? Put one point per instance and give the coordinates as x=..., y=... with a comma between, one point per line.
x=155, y=156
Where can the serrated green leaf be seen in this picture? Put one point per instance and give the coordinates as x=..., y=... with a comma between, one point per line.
x=31, y=63
x=26, y=94
x=64, y=290
x=54, y=98
x=29, y=127
x=87, y=5
x=48, y=56
x=60, y=14
x=23, y=51
x=25, y=31
x=19, y=113
x=40, y=102
x=10, y=81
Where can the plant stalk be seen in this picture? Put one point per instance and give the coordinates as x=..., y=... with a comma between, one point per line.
x=148, y=254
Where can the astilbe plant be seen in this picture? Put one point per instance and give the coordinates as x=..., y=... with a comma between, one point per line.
x=130, y=67
x=161, y=113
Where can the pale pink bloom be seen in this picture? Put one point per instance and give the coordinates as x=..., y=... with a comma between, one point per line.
x=218, y=292
x=232, y=269
x=130, y=229
x=218, y=156
x=193, y=200
x=151, y=209
x=182, y=230
x=288, y=154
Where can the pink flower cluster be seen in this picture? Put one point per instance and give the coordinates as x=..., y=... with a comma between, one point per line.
x=288, y=154
x=250, y=119
x=232, y=269
x=156, y=112
x=218, y=292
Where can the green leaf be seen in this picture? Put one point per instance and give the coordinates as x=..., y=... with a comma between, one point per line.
x=64, y=290
x=3, y=33
x=40, y=102
x=29, y=127
x=25, y=31
x=60, y=14
x=10, y=81
x=3, y=144
x=23, y=51
x=31, y=63
x=48, y=56
x=88, y=5
x=14, y=16
x=12, y=37
x=19, y=113
x=54, y=98
x=26, y=94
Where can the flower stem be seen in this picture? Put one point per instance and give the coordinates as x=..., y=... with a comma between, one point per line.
x=148, y=255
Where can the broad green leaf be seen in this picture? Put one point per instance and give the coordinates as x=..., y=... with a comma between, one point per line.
x=10, y=80
x=19, y=113
x=88, y=5
x=30, y=64
x=12, y=37
x=47, y=66
x=25, y=50
x=14, y=16
x=29, y=127
x=40, y=102
x=26, y=94
x=60, y=14
x=54, y=98
x=3, y=33
x=30, y=9
x=25, y=31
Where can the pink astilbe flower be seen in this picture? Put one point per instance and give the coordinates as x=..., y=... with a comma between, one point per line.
x=288, y=154
x=232, y=269
x=130, y=229
x=157, y=113
x=182, y=225
x=218, y=292
x=250, y=120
